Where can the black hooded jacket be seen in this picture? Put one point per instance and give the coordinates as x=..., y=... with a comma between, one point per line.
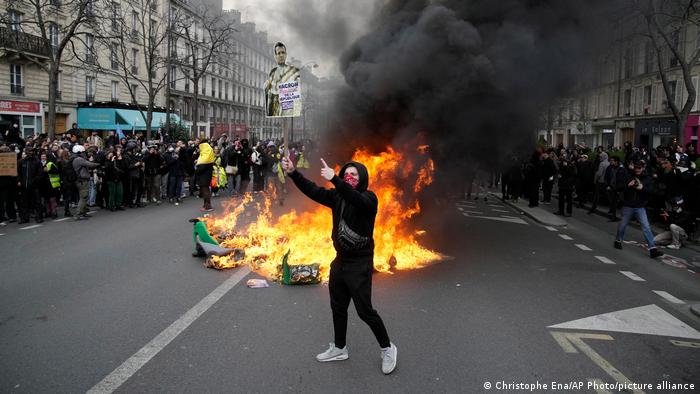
x=359, y=212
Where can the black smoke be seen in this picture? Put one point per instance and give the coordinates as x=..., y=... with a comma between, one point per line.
x=471, y=78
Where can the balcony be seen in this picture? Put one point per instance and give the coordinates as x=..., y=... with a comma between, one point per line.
x=24, y=43
x=89, y=97
x=17, y=90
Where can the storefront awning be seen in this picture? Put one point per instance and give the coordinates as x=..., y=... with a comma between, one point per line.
x=123, y=119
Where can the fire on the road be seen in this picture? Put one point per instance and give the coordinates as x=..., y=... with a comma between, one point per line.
x=307, y=234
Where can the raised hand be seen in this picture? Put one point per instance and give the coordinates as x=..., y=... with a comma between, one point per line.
x=287, y=165
x=326, y=172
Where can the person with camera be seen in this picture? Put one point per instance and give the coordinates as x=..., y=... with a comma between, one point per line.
x=115, y=168
x=354, y=209
x=82, y=167
x=134, y=190
x=153, y=163
x=636, y=187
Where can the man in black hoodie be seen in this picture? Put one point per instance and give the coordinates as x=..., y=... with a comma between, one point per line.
x=354, y=209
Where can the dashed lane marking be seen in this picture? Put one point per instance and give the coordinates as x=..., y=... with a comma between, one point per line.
x=694, y=345
x=668, y=297
x=566, y=237
x=605, y=260
x=500, y=210
x=550, y=228
x=583, y=247
x=475, y=212
x=61, y=220
x=30, y=227
x=632, y=276
x=123, y=372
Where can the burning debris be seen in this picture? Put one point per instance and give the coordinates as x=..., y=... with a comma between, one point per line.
x=296, y=247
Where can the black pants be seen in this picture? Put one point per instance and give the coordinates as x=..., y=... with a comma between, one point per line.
x=613, y=199
x=565, y=196
x=597, y=192
x=353, y=281
x=8, y=191
x=205, y=194
x=547, y=186
x=30, y=202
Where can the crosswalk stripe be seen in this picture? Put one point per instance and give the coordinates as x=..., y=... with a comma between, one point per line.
x=583, y=247
x=30, y=227
x=566, y=237
x=669, y=297
x=550, y=228
x=632, y=276
x=604, y=260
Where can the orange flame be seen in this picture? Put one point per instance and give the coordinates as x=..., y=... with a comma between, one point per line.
x=307, y=234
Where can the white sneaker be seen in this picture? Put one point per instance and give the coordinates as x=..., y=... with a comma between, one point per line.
x=673, y=246
x=333, y=354
x=177, y=203
x=389, y=359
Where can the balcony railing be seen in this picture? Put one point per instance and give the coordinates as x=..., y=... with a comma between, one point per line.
x=89, y=97
x=24, y=42
x=17, y=89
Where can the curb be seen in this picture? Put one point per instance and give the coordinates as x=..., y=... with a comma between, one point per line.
x=523, y=212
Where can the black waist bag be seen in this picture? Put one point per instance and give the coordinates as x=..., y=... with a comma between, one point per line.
x=347, y=238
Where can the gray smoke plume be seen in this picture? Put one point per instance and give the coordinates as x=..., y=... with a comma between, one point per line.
x=471, y=78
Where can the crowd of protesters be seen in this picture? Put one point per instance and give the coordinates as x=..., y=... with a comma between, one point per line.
x=630, y=182
x=76, y=172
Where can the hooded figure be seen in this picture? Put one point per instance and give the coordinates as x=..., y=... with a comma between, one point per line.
x=354, y=210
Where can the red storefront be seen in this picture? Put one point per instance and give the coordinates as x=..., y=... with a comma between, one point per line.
x=27, y=114
x=691, y=129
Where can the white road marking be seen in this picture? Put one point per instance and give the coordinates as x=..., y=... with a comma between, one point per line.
x=500, y=210
x=514, y=220
x=123, y=372
x=550, y=228
x=583, y=247
x=649, y=320
x=90, y=212
x=461, y=209
x=632, y=276
x=566, y=237
x=61, y=220
x=509, y=217
x=2, y=235
x=30, y=227
x=605, y=260
x=668, y=297
x=476, y=212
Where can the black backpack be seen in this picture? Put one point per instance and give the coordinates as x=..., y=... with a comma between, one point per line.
x=69, y=174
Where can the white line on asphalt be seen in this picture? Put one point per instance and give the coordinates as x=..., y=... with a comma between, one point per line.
x=475, y=212
x=123, y=372
x=632, y=276
x=30, y=227
x=461, y=209
x=669, y=297
x=583, y=247
x=566, y=237
x=604, y=260
x=90, y=212
x=500, y=210
x=1, y=235
x=550, y=228
x=61, y=220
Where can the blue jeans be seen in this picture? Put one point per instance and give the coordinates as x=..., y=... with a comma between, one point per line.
x=641, y=214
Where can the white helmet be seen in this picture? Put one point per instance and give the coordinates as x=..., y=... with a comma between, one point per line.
x=78, y=148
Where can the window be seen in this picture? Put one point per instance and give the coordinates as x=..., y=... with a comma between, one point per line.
x=115, y=91
x=226, y=91
x=154, y=5
x=134, y=23
x=113, y=55
x=647, y=96
x=115, y=16
x=219, y=88
x=89, y=88
x=187, y=81
x=90, y=9
x=648, y=57
x=15, y=20
x=173, y=76
x=16, y=79
x=675, y=40
x=134, y=61
x=89, y=49
x=54, y=35
x=627, y=101
x=673, y=85
x=134, y=90
x=213, y=87
x=204, y=86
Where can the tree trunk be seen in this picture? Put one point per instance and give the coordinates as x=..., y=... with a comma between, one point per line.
x=149, y=118
x=195, y=107
x=53, y=89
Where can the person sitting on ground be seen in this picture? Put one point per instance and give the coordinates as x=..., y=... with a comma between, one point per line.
x=680, y=223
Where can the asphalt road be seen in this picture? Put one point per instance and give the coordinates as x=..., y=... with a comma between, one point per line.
x=80, y=299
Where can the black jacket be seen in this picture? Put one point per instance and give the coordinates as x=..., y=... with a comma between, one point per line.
x=567, y=176
x=153, y=163
x=359, y=212
x=31, y=172
x=631, y=196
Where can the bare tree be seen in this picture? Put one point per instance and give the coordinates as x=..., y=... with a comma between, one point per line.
x=134, y=35
x=666, y=22
x=41, y=18
x=205, y=38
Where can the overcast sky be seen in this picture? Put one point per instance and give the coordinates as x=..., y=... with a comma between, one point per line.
x=313, y=30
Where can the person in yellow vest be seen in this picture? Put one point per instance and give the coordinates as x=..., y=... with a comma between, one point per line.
x=204, y=170
x=54, y=187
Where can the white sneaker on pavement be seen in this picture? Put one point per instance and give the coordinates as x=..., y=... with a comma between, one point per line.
x=389, y=359
x=333, y=354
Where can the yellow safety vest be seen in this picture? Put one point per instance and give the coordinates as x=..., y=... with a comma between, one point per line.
x=55, y=179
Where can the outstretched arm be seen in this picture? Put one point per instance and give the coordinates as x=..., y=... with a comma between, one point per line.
x=319, y=194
